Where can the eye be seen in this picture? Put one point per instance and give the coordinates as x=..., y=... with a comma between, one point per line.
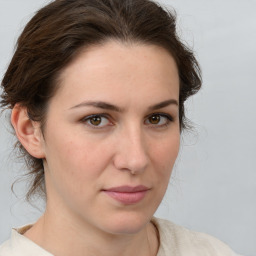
x=97, y=121
x=158, y=120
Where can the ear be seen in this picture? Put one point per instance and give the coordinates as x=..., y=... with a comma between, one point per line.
x=28, y=132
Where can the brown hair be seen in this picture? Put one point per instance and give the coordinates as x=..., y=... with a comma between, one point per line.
x=56, y=34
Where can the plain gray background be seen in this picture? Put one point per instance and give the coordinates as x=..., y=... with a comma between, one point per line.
x=213, y=186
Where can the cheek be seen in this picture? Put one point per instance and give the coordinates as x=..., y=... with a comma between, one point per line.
x=74, y=167
x=164, y=155
x=76, y=157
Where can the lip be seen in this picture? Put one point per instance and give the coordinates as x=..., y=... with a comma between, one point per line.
x=127, y=194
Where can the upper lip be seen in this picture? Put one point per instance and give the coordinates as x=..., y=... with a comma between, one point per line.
x=127, y=189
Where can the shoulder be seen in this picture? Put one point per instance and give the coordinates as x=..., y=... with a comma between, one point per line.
x=181, y=241
x=19, y=245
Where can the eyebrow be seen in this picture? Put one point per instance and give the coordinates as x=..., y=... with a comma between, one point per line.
x=164, y=104
x=98, y=104
x=108, y=106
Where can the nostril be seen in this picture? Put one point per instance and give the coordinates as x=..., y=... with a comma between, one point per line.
x=134, y=162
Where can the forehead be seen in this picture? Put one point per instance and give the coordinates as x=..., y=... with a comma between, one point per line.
x=115, y=70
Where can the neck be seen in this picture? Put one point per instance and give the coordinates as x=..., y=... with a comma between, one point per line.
x=60, y=236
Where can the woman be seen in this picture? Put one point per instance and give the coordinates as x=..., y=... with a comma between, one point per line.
x=97, y=91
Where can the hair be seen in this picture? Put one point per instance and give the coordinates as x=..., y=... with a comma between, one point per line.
x=59, y=31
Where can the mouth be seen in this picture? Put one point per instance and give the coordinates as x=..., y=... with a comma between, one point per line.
x=127, y=194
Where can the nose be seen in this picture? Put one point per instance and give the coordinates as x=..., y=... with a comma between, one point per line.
x=131, y=151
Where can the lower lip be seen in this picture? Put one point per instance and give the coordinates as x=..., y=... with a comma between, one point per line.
x=127, y=198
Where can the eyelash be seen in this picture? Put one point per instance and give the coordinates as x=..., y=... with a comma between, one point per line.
x=168, y=118
x=87, y=119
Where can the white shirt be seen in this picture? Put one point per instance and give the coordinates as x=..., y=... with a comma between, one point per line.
x=174, y=241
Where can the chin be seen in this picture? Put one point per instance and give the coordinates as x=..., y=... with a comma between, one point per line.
x=127, y=223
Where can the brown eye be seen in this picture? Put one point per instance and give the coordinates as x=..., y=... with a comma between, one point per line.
x=96, y=120
x=155, y=119
x=158, y=120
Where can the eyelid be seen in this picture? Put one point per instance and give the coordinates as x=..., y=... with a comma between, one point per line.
x=85, y=120
x=102, y=115
x=161, y=114
x=170, y=117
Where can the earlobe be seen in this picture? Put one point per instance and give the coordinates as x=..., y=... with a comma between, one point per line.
x=27, y=131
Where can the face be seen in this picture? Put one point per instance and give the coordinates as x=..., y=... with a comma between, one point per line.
x=112, y=136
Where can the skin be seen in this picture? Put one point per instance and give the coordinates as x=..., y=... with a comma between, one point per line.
x=131, y=145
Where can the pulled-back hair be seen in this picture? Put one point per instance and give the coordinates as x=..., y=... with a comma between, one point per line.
x=60, y=30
